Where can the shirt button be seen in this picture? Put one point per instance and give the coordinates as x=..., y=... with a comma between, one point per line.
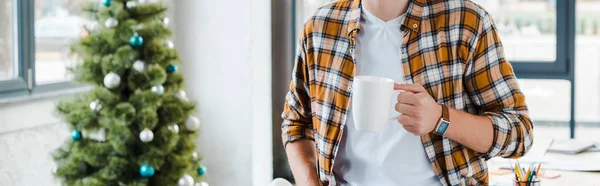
x=415, y=25
x=350, y=88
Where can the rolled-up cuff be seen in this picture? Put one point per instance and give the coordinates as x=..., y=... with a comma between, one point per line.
x=502, y=129
x=291, y=132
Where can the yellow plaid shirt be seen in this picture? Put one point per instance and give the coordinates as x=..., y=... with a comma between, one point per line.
x=451, y=47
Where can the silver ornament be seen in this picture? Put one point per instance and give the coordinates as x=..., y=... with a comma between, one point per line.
x=195, y=155
x=192, y=123
x=186, y=180
x=139, y=66
x=130, y=4
x=92, y=26
x=146, y=135
x=112, y=80
x=166, y=21
x=173, y=128
x=111, y=22
x=169, y=44
x=158, y=90
x=96, y=135
x=95, y=105
x=181, y=95
x=138, y=27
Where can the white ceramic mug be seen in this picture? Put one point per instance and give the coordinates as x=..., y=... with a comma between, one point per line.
x=372, y=99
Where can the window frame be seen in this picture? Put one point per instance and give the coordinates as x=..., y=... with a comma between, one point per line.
x=25, y=83
x=560, y=67
x=563, y=68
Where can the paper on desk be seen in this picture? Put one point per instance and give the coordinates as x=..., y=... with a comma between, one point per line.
x=535, y=155
x=555, y=164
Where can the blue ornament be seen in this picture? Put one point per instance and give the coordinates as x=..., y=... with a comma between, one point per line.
x=201, y=171
x=106, y=3
x=146, y=171
x=76, y=135
x=171, y=68
x=136, y=41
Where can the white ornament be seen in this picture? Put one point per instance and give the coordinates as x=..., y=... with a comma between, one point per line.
x=95, y=105
x=146, y=135
x=112, y=80
x=92, y=26
x=195, y=155
x=192, y=123
x=97, y=135
x=139, y=66
x=201, y=184
x=111, y=22
x=173, y=128
x=130, y=4
x=170, y=44
x=54, y=169
x=166, y=21
x=158, y=90
x=181, y=95
x=186, y=180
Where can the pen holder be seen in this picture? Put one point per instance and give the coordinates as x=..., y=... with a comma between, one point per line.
x=525, y=183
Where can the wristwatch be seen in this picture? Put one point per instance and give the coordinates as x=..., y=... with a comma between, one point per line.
x=444, y=121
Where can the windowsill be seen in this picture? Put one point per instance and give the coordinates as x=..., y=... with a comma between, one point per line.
x=20, y=97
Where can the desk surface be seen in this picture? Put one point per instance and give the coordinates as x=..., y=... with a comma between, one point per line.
x=568, y=178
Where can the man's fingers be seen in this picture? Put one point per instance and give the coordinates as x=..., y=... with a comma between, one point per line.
x=414, y=88
x=411, y=129
x=405, y=109
x=407, y=98
x=406, y=120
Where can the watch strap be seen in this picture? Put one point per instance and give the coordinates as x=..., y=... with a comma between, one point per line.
x=444, y=121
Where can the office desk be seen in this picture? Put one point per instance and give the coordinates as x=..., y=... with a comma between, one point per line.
x=567, y=178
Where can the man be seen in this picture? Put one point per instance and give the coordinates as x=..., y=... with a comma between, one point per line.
x=461, y=103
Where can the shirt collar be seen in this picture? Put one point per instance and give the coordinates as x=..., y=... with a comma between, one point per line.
x=412, y=20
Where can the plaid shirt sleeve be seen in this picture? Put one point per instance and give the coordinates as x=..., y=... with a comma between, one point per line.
x=297, y=123
x=492, y=86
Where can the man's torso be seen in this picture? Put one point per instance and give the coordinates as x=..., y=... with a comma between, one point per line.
x=436, y=47
x=392, y=156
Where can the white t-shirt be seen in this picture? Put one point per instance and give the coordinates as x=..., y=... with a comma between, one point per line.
x=394, y=156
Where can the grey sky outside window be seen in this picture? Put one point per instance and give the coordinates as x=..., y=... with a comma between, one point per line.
x=58, y=23
x=8, y=67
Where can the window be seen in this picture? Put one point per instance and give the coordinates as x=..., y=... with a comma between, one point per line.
x=58, y=23
x=587, y=68
x=35, y=41
x=549, y=47
x=527, y=28
x=8, y=67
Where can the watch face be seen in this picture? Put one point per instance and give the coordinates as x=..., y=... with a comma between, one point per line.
x=442, y=127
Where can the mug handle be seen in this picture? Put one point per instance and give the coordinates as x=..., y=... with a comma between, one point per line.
x=395, y=117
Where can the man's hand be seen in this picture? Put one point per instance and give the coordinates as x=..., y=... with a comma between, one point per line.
x=419, y=111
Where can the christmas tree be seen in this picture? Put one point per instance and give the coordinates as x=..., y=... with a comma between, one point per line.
x=135, y=127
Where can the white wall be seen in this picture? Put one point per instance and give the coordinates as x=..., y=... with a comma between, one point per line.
x=225, y=47
x=29, y=131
